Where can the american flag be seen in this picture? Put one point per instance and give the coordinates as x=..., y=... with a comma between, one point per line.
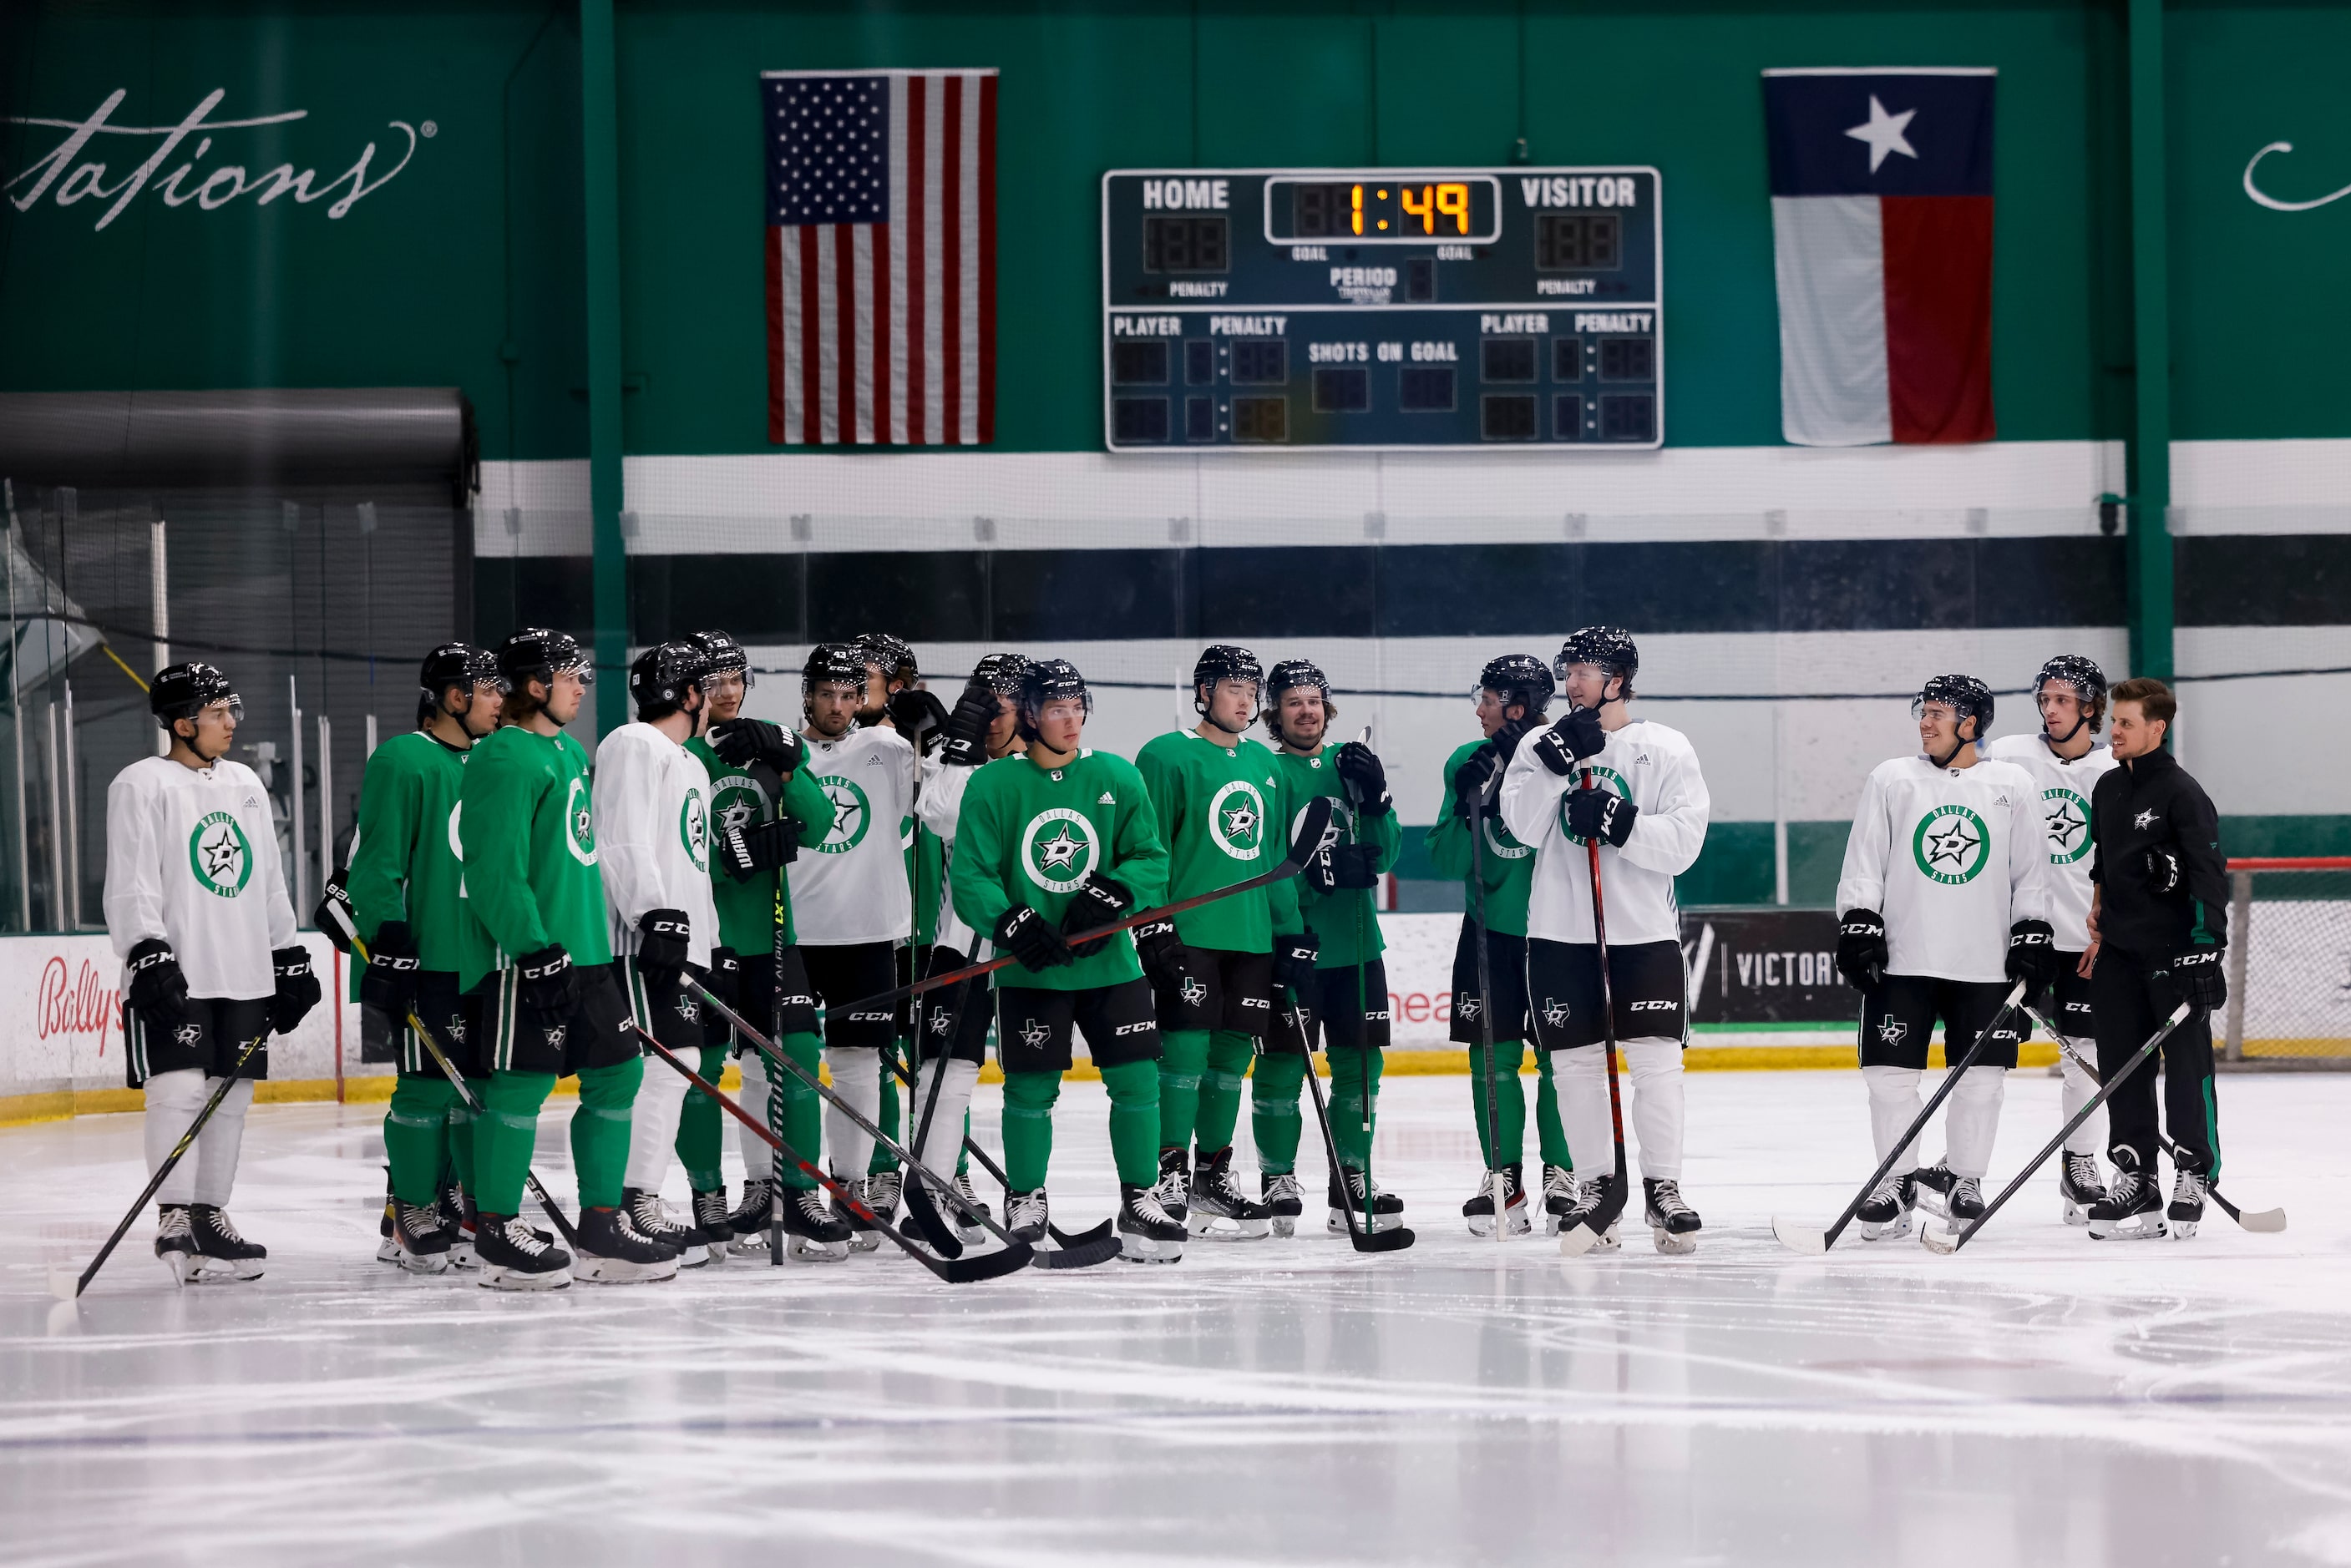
x=881, y=256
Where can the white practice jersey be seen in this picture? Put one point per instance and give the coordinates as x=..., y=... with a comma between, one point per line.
x=653, y=835
x=941, y=802
x=1655, y=768
x=852, y=887
x=2064, y=788
x=1951, y=858
x=192, y=858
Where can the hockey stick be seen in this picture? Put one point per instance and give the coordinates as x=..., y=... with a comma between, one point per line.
x=67, y=1286
x=2265, y=1221
x=1495, y=1180
x=1581, y=1237
x=1312, y=822
x=938, y=1079
x=1949, y=1244
x=1803, y=1239
x=1366, y=1240
x=955, y=1271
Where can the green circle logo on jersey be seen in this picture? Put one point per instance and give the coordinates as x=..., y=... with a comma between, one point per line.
x=1608, y=776
x=1952, y=845
x=1056, y=849
x=1341, y=829
x=694, y=830
x=1499, y=842
x=457, y=845
x=1237, y=820
x=737, y=800
x=579, y=824
x=219, y=855
x=2067, y=818
x=852, y=814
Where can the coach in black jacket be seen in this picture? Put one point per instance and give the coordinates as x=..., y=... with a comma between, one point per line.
x=2158, y=926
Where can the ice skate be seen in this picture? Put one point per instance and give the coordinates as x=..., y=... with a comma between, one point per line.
x=614, y=1252
x=1887, y=1212
x=1672, y=1223
x=715, y=1223
x=225, y=1253
x=515, y=1257
x=175, y=1248
x=2079, y=1186
x=1931, y=1189
x=387, y=1246
x=1558, y=1196
x=422, y=1238
x=647, y=1216
x=457, y=1218
x=1479, y=1209
x=1588, y=1196
x=2186, y=1210
x=967, y=1220
x=1387, y=1209
x=814, y=1233
x=1283, y=1202
x=1174, y=1185
x=1025, y=1216
x=1215, y=1198
x=747, y=1225
x=2132, y=1210
x=882, y=1192
x=1147, y=1233
x=863, y=1238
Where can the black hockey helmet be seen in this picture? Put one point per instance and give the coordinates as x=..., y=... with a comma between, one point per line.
x=184, y=690
x=2080, y=672
x=894, y=656
x=1609, y=646
x=1223, y=661
x=536, y=653
x=1969, y=698
x=661, y=676
x=1000, y=673
x=1518, y=678
x=1291, y=673
x=726, y=655
x=1048, y=680
x=841, y=662
x=456, y=664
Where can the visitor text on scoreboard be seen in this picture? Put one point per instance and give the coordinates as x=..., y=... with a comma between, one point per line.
x=1397, y=308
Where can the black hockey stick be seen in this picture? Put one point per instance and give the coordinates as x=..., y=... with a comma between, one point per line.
x=955, y=1271
x=67, y=1286
x=1803, y=1239
x=938, y=1080
x=1367, y=1239
x=1312, y=822
x=1949, y=1244
x=1498, y=1184
x=2264, y=1221
x=1580, y=1238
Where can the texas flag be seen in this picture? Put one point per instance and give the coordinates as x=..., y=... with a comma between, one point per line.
x=1881, y=224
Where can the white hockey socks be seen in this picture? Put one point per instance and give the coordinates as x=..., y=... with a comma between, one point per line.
x=1973, y=1121
x=857, y=1078
x=653, y=1129
x=2080, y=1087
x=945, y=1139
x=758, y=1159
x=1893, y=1105
x=208, y=1172
x=1657, y=1111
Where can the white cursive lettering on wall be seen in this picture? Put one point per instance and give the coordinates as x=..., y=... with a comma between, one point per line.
x=58, y=175
x=2271, y=202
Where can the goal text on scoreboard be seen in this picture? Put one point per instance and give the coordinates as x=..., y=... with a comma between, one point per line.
x=1397, y=308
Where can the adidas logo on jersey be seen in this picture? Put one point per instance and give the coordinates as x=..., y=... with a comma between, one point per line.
x=1106, y=799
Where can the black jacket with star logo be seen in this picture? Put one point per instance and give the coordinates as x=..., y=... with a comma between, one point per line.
x=2143, y=803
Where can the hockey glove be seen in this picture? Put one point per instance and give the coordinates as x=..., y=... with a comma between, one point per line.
x=2199, y=975
x=1293, y=961
x=1579, y=732
x=662, y=939
x=1155, y=943
x=2033, y=957
x=1470, y=779
x=1861, y=955
x=548, y=985
x=743, y=852
x=1022, y=932
x=1601, y=813
x=723, y=980
x=1366, y=781
x=919, y=717
x=1354, y=864
x=965, y=745
x=2161, y=871
x=388, y=984
x=157, y=990
x=742, y=741
x=297, y=989
x=1097, y=902
x=334, y=916
x=1506, y=739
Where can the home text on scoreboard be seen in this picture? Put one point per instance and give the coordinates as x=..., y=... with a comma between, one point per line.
x=1278, y=309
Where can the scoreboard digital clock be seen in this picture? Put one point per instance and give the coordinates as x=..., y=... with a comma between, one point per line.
x=1274, y=309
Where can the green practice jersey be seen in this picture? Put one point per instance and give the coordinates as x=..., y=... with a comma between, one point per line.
x=1345, y=920
x=1509, y=864
x=1221, y=809
x=749, y=909
x=925, y=865
x=404, y=862
x=530, y=838
x=1028, y=834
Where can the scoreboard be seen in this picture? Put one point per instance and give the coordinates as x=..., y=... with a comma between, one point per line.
x=1275, y=309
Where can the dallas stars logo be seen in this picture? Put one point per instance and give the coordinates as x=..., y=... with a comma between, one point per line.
x=1950, y=844
x=941, y=1021
x=736, y=813
x=1554, y=1011
x=2145, y=819
x=852, y=814
x=1467, y=1007
x=1892, y=1031
x=1058, y=848
x=187, y=1034
x=2066, y=817
x=1237, y=820
x=1034, y=1034
x=1193, y=992
x=219, y=855
x=1059, y=852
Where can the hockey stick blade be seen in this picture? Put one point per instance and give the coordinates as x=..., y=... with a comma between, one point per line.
x=1577, y=1239
x=1080, y=1251
x=1362, y=1239
x=64, y=1282
x=1804, y=1239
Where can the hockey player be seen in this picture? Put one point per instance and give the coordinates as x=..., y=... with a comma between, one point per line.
x=1063, y=840
x=852, y=906
x=1633, y=785
x=1512, y=693
x=652, y=842
x=1945, y=902
x=1348, y=1003
x=405, y=886
x=196, y=909
x=551, y=1004
x=2065, y=760
x=1216, y=970
x=2158, y=936
x=765, y=807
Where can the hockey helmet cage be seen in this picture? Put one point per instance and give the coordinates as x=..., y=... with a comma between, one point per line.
x=537, y=653
x=1295, y=672
x=1000, y=673
x=661, y=676
x=843, y=661
x=1518, y=678
x=184, y=690
x=894, y=656
x=1223, y=661
x=1048, y=680
x=456, y=664
x=726, y=655
x=2083, y=674
x=1968, y=696
x=1609, y=646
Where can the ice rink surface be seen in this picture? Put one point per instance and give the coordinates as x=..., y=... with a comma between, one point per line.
x=2039, y=1399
